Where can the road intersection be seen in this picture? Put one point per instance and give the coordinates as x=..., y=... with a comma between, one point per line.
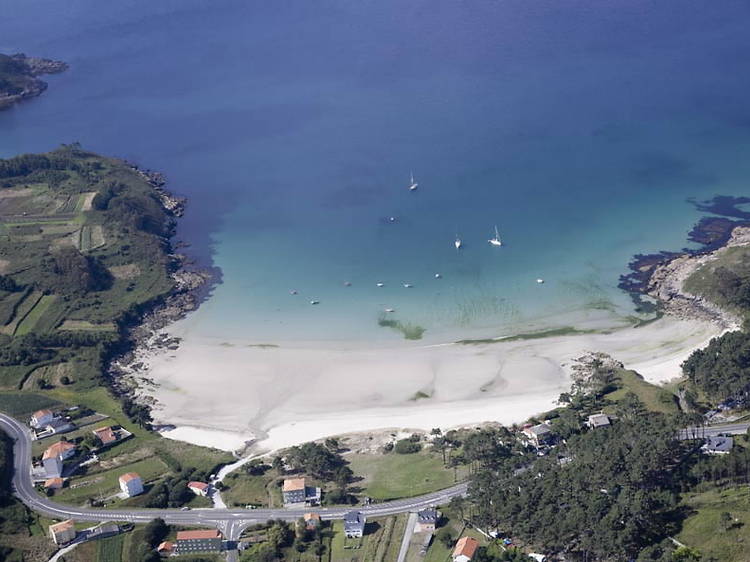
x=231, y=522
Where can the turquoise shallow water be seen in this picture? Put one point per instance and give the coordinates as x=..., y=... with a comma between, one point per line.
x=293, y=127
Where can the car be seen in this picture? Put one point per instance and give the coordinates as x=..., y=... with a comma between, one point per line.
x=185, y=508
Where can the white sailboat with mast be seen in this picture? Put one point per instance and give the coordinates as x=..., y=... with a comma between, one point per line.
x=496, y=240
x=413, y=185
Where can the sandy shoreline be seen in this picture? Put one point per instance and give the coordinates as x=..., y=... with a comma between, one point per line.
x=223, y=395
x=233, y=394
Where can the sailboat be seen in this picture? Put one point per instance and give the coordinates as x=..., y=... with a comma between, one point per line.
x=458, y=243
x=413, y=185
x=496, y=240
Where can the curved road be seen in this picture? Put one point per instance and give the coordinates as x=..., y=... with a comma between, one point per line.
x=231, y=522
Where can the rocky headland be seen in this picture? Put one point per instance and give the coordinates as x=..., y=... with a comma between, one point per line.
x=19, y=77
x=662, y=276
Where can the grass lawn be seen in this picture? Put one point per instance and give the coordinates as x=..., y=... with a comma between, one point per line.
x=106, y=483
x=702, y=529
x=21, y=406
x=343, y=549
x=110, y=549
x=393, y=476
x=245, y=489
x=381, y=542
x=655, y=398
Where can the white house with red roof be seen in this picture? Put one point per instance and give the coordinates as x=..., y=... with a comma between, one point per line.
x=199, y=488
x=41, y=418
x=131, y=484
x=465, y=549
x=54, y=457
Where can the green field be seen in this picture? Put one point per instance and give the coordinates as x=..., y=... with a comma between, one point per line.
x=245, y=489
x=392, y=476
x=102, y=484
x=655, y=398
x=703, y=529
x=110, y=549
x=28, y=323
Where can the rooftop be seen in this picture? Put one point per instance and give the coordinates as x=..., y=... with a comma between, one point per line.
x=537, y=430
x=64, y=526
x=166, y=546
x=42, y=413
x=719, y=444
x=193, y=535
x=128, y=476
x=106, y=435
x=294, y=484
x=598, y=420
x=427, y=515
x=53, y=483
x=199, y=485
x=353, y=517
x=57, y=449
x=466, y=546
x=312, y=516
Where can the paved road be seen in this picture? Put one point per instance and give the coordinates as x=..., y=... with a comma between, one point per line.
x=406, y=539
x=231, y=522
x=713, y=430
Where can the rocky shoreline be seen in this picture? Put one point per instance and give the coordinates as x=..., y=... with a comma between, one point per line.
x=144, y=337
x=26, y=83
x=661, y=276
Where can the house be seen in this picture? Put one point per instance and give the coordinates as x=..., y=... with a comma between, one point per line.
x=106, y=435
x=190, y=542
x=718, y=445
x=426, y=521
x=41, y=418
x=166, y=548
x=63, y=533
x=312, y=521
x=538, y=434
x=598, y=420
x=296, y=493
x=465, y=549
x=354, y=524
x=54, y=457
x=199, y=488
x=53, y=483
x=131, y=484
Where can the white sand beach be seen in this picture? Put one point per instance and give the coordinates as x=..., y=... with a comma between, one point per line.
x=223, y=394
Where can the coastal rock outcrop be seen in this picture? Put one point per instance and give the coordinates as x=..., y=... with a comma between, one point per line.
x=19, y=77
x=666, y=283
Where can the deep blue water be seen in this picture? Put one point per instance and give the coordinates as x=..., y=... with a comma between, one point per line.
x=579, y=128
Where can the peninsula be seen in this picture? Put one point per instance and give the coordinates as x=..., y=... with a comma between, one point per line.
x=19, y=77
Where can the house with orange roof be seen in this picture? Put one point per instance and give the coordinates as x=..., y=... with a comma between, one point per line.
x=54, y=457
x=312, y=521
x=41, y=418
x=63, y=533
x=199, y=488
x=131, y=484
x=193, y=542
x=297, y=493
x=166, y=548
x=53, y=483
x=465, y=549
x=106, y=435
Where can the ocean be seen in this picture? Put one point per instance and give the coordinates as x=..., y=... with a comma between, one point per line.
x=579, y=129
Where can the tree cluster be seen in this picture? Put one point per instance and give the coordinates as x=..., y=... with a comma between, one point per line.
x=615, y=496
x=721, y=369
x=317, y=460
